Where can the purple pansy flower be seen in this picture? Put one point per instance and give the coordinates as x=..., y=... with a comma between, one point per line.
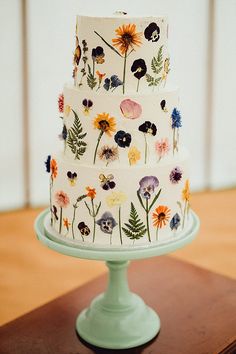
x=176, y=175
x=107, y=223
x=48, y=164
x=147, y=186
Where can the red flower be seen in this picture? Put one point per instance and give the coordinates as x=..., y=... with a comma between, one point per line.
x=61, y=103
x=62, y=199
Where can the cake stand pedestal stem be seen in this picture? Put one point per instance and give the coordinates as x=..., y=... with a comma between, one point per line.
x=118, y=319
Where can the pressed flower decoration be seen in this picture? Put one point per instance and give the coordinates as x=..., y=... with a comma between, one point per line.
x=51, y=167
x=116, y=199
x=163, y=106
x=98, y=55
x=176, y=175
x=134, y=228
x=66, y=224
x=186, y=199
x=122, y=139
x=134, y=155
x=160, y=217
x=112, y=83
x=87, y=104
x=176, y=124
x=93, y=211
x=108, y=154
x=77, y=56
x=100, y=78
x=156, y=66
x=75, y=206
x=61, y=103
x=139, y=70
x=105, y=124
x=147, y=186
x=127, y=38
x=107, y=224
x=63, y=135
x=130, y=109
x=67, y=110
x=165, y=71
x=84, y=229
x=152, y=32
x=84, y=60
x=75, y=138
x=175, y=222
x=162, y=147
x=62, y=200
x=107, y=182
x=147, y=128
x=72, y=178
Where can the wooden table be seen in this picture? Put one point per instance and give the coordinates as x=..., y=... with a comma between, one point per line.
x=197, y=310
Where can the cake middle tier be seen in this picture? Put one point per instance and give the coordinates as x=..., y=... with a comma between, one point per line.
x=120, y=130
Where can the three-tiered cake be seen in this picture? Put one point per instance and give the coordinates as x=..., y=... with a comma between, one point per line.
x=122, y=177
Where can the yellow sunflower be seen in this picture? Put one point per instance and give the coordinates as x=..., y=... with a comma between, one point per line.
x=127, y=37
x=105, y=123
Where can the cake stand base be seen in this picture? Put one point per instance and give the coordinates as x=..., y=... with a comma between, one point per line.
x=118, y=319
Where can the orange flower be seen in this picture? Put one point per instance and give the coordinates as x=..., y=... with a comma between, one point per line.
x=186, y=192
x=100, y=75
x=126, y=37
x=66, y=223
x=105, y=123
x=91, y=192
x=53, y=168
x=161, y=216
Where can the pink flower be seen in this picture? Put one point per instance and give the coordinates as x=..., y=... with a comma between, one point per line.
x=62, y=199
x=61, y=103
x=130, y=109
x=162, y=147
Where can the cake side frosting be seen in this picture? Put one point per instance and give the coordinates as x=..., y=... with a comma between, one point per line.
x=112, y=206
x=120, y=124
x=121, y=54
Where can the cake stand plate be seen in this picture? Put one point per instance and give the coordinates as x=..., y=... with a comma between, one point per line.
x=118, y=318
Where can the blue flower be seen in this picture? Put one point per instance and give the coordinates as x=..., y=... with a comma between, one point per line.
x=107, y=223
x=48, y=164
x=112, y=83
x=175, y=222
x=176, y=119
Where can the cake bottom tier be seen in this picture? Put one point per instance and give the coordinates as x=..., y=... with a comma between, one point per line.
x=117, y=207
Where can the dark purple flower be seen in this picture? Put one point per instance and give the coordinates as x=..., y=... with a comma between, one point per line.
x=175, y=222
x=152, y=32
x=98, y=55
x=147, y=186
x=176, y=119
x=87, y=103
x=148, y=127
x=112, y=83
x=54, y=211
x=176, y=175
x=123, y=139
x=48, y=164
x=139, y=68
x=163, y=105
x=106, y=223
x=84, y=229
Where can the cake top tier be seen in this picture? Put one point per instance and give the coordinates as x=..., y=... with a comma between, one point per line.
x=121, y=54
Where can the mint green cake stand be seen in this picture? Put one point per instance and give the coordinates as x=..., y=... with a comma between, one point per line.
x=118, y=318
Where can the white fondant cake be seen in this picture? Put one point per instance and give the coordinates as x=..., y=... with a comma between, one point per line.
x=122, y=176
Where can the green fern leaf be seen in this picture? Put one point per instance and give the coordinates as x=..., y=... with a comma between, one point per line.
x=134, y=228
x=91, y=80
x=75, y=136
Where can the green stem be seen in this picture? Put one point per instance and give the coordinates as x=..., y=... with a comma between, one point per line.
x=60, y=220
x=138, y=85
x=145, y=161
x=147, y=221
x=185, y=208
x=50, y=201
x=94, y=220
x=174, y=141
x=120, y=225
x=93, y=67
x=72, y=224
x=157, y=233
x=124, y=72
x=95, y=153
